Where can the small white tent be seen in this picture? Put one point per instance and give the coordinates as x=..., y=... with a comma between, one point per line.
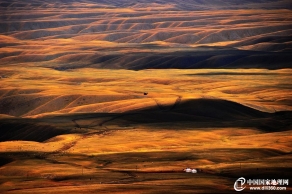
x=188, y=170
x=194, y=171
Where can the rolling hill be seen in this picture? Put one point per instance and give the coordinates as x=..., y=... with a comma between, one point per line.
x=104, y=96
x=146, y=35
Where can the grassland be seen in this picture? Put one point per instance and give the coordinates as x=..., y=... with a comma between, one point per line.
x=95, y=130
x=121, y=96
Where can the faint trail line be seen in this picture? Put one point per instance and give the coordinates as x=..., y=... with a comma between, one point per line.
x=42, y=105
x=66, y=146
x=161, y=107
x=116, y=117
x=158, y=104
x=132, y=177
x=131, y=174
x=71, y=144
x=177, y=102
x=76, y=124
x=72, y=101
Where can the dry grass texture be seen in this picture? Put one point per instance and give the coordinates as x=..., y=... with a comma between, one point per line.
x=33, y=91
x=213, y=91
x=145, y=35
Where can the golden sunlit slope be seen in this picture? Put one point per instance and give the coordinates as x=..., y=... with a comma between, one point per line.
x=213, y=92
x=145, y=34
x=145, y=156
x=32, y=91
x=145, y=149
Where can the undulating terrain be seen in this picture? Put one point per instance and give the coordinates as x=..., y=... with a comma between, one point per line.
x=103, y=96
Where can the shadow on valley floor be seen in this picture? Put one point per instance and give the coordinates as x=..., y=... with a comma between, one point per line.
x=195, y=113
